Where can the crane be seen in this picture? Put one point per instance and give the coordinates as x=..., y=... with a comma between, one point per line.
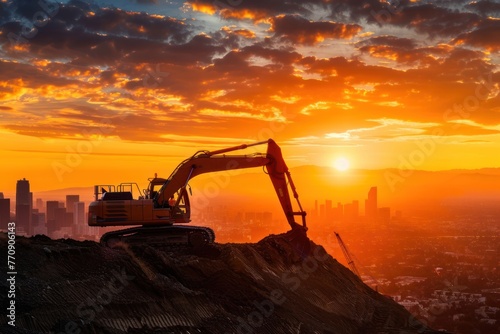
x=347, y=255
x=158, y=215
x=350, y=261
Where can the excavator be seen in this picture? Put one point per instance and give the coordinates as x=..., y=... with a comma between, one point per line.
x=159, y=214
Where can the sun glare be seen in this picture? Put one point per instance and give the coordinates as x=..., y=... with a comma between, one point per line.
x=341, y=164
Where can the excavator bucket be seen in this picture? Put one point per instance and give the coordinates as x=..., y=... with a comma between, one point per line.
x=298, y=239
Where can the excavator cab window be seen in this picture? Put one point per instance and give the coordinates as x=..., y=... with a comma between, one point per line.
x=182, y=209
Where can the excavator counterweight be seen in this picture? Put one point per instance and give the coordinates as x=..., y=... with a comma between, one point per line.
x=156, y=215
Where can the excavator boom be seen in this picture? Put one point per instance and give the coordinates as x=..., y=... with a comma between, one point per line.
x=206, y=162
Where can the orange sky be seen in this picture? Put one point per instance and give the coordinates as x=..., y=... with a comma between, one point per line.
x=93, y=93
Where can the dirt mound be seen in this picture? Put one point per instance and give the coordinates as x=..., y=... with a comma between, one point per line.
x=273, y=286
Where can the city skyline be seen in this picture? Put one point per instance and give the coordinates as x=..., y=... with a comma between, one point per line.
x=68, y=218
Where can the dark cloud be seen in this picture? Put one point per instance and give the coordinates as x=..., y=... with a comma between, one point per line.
x=78, y=16
x=393, y=41
x=297, y=29
x=88, y=64
x=485, y=36
x=485, y=8
x=147, y=2
x=430, y=18
x=401, y=50
x=102, y=38
x=354, y=70
x=257, y=9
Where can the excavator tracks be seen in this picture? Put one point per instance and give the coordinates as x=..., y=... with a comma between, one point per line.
x=170, y=235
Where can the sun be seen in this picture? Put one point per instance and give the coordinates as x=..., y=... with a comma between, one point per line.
x=341, y=164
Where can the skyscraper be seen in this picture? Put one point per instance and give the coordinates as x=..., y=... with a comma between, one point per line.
x=51, y=217
x=371, y=204
x=79, y=224
x=70, y=202
x=39, y=204
x=24, y=204
x=4, y=212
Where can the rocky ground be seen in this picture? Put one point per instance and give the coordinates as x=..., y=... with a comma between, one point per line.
x=66, y=286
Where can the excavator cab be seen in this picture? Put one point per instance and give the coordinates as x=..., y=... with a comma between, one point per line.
x=154, y=186
x=178, y=203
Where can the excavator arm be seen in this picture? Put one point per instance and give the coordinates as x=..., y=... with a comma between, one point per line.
x=161, y=217
x=206, y=162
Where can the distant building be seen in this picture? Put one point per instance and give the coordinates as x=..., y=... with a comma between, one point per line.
x=24, y=205
x=50, y=216
x=40, y=227
x=351, y=211
x=63, y=218
x=70, y=202
x=39, y=205
x=384, y=215
x=79, y=224
x=4, y=213
x=328, y=210
x=355, y=209
x=371, y=204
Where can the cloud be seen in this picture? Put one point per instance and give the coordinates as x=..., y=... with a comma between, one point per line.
x=297, y=29
x=261, y=68
x=434, y=19
x=485, y=36
x=403, y=50
x=78, y=16
x=485, y=7
x=257, y=10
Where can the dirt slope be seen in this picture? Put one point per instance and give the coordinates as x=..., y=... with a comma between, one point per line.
x=65, y=286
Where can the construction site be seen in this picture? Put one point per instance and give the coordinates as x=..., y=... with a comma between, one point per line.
x=160, y=275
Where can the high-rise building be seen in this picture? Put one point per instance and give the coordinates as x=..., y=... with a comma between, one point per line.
x=24, y=204
x=79, y=224
x=355, y=209
x=371, y=204
x=63, y=223
x=39, y=205
x=39, y=218
x=50, y=216
x=70, y=202
x=4, y=212
x=351, y=211
x=328, y=210
x=384, y=215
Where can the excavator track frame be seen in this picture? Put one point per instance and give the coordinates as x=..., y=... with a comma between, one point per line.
x=169, y=235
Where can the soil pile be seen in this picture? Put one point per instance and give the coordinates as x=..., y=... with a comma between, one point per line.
x=273, y=286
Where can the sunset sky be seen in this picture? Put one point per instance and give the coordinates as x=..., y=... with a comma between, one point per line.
x=108, y=91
